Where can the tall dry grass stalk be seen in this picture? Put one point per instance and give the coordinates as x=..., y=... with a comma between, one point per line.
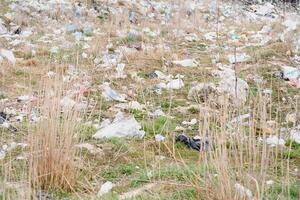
x=52, y=153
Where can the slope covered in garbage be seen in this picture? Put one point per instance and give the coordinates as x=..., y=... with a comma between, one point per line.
x=123, y=99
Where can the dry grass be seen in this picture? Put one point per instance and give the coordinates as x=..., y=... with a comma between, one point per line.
x=52, y=153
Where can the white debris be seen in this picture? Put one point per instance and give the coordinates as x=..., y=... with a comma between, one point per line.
x=186, y=63
x=290, y=72
x=201, y=91
x=160, y=75
x=274, y=141
x=269, y=182
x=237, y=89
x=2, y=154
x=3, y=29
x=105, y=188
x=23, y=98
x=240, y=119
x=130, y=105
x=6, y=148
x=159, y=138
x=211, y=36
x=112, y=94
x=175, y=84
x=192, y=122
x=51, y=74
x=122, y=126
x=243, y=192
x=238, y=58
x=295, y=135
x=7, y=54
x=265, y=9
x=158, y=113
x=67, y=103
x=120, y=70
x=91, y=148
x=136, y=192
x=291, y=22
x=54, y=50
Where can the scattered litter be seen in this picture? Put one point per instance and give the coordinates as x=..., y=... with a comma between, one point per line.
x=192, y=122
x=275, y=141
x=175, y=84
x=105, y=188
x=243, y=192
x=201, y=91
x=67, y=103
x=290, y=72
x=156, y=74
x=6, y=148
x=130, y=105
x=240, y=119
x=120, y=70
x=159, y=138
x=91, y=148
x=132, y=17
x=269, y=182
x=193, y=143
x=136, y=192
x=7, y=54
x=54, y=50
x=112, y=94
x=237, y=88
x=295, y=136
x=265, y=10
x=238, y=58
x=122, y=126
x=4, y=122
x=211, y=36
x=186, y=63
x=158, y=113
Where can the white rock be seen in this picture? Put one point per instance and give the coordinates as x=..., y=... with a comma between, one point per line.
x=7, y=54
x=121, y=127
x=186, y=63
x=105, y=188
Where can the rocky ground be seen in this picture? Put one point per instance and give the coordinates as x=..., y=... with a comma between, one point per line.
x=192, y=99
